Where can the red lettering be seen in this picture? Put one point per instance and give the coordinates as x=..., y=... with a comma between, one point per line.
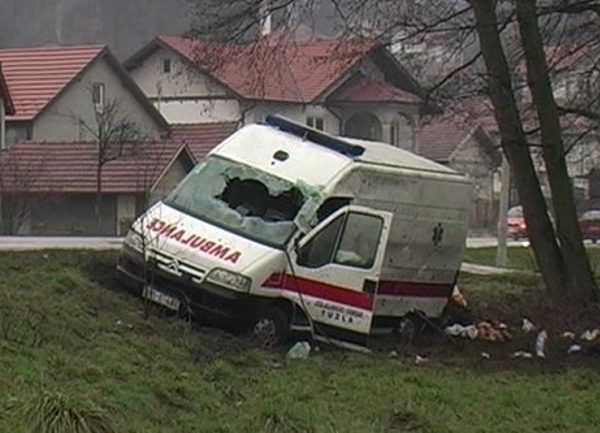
x=167, y=230
x=188, y=240
x=156, y=224
x=177, y=236
x=219, y=251
x=197, y=243
x=207, y=246
x=233, y=257
x=194, y=241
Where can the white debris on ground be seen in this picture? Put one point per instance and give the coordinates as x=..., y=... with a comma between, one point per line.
x=590, y=335
x=527, y=326
x=569, y=342
x=300, y=350
x=540, y=344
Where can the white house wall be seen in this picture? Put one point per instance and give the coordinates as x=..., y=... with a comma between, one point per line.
x=61, y=120
x=199, y=110
x=182, y=81
x=296, y=112
x=184, y=95
x=403, y=117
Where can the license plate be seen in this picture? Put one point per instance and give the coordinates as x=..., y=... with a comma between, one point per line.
x=161, y=298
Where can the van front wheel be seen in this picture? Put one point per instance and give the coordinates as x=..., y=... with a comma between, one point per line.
x=271, y=327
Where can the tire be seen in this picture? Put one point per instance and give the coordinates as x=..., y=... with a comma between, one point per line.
x=271, y=327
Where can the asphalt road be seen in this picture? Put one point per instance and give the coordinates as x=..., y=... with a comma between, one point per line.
x=23, y=243
x=103, y=243
x=20, y=243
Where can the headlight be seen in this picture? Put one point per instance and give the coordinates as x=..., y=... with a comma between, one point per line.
x=134, y=240
x=230, y=279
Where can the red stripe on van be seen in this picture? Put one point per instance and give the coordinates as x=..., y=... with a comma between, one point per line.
x=328, y=292
x=356, y=299
x=419, y=290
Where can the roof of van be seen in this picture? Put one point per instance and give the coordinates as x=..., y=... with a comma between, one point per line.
x=386, y=154
x=367, y=151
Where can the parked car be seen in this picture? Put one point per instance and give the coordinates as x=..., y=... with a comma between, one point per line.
x=589, y=225
x=516, y=223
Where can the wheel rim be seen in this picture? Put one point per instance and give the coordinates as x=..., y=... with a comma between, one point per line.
x=265, y=332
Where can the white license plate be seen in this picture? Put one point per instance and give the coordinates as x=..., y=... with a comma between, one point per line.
x=161, y=298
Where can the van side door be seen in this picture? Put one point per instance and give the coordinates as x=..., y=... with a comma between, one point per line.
x=336, y=270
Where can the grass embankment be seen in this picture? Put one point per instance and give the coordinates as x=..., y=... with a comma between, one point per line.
x=68, y=338
x=520, y=258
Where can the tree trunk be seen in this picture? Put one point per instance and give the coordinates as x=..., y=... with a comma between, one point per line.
x=515, y=147
x=580, y=281
x=97, y=207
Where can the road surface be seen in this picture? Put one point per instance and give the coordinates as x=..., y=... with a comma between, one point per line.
x=23, y=243
x=103, y=243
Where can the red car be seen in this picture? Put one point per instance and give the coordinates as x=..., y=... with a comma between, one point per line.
x=516, y=223
x=589, y=225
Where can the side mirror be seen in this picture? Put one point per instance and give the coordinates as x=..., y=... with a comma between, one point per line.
x=297, y=245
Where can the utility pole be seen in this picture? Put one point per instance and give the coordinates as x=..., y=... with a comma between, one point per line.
x=501, y=253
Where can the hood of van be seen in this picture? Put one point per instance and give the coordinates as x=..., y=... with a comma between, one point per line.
x=176, y=234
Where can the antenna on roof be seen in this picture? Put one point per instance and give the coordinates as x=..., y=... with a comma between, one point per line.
x=314, y=136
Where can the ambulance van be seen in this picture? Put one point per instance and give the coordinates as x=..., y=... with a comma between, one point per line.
x=285, y=228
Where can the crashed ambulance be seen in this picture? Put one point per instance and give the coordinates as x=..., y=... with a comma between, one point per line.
x=284, y=228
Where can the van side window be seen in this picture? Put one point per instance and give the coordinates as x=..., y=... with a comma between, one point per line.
x=359, y=241
x=350, y=240
x=319, y=250
x=330, y=205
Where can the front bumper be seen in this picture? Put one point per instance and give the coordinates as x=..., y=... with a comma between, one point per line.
x=205, y=300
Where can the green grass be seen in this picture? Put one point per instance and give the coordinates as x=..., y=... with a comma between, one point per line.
x=520, y=257
x=73, y=342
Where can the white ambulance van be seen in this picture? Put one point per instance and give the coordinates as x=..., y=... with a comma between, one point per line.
x=282, y=227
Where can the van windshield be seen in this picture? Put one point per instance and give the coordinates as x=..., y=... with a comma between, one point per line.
x=239, y=198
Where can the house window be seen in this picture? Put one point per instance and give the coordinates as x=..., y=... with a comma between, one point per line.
x=316, y=122
x=98, y=96
x=394, y=134
x=166, y=66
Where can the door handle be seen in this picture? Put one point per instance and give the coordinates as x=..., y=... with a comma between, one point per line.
x=369, y=286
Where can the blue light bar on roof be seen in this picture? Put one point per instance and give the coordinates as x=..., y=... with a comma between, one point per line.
x=315, y=136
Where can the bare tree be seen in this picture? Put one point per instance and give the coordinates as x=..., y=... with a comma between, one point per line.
x=510, y=52
x=17, y=191
x=115, y=134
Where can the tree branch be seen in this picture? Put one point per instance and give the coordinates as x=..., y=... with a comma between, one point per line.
x=590, y=114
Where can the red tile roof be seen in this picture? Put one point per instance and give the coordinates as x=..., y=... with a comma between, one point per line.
x=201, y=138
x=363, y=89
x=437, y=140
x=9, y=107
x=270, y=70
x=71, y=167
x=36, y=75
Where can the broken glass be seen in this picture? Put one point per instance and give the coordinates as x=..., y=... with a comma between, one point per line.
x=240, y=198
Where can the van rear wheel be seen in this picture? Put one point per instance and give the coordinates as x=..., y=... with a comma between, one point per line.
x=271, y=327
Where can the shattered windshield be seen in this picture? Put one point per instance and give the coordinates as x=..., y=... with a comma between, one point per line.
x=240, y=198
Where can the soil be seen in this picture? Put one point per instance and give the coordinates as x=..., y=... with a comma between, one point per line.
x=436, y=349
x=507, y=312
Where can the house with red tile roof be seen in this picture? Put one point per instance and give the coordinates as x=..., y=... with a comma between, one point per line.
x=201, y=138
x=469, y=149
x=352, y=87
x=61, y=98
x=57, y=93
x=6, y=108
x=50, y=188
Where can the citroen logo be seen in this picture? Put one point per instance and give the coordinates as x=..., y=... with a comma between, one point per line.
x=173, y=266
